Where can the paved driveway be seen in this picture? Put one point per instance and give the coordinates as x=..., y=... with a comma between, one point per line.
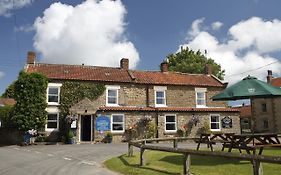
x=81, y=159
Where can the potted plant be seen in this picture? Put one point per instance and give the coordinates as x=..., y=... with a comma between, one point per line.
x=108, y=137
x=70, y=137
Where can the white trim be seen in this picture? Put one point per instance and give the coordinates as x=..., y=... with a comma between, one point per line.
x=171, y=131
x=112, y=87
x=111, y=123
x=53, y=85
x=160, y=89
x=58, y=121
x=217, y=115
x=201, y=90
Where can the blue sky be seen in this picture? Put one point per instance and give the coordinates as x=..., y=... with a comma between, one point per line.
x=242, y=35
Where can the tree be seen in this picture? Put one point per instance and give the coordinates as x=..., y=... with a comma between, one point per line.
x=188, y=61
x=9, y=92
x=30, y=94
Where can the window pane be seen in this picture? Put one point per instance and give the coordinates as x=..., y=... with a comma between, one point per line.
x=117, y=127
x=53, y=90
x=112, y=93
x=170, y=126
x=52, y=98
x=200, y=95
x=159, y=94
x=52, y=116
x=214, y=119
x=215, y=126
x=160, y=101
x=112, y=100
x=117, y=118
x=170, y=118
x=200, y=102
x=52, y=125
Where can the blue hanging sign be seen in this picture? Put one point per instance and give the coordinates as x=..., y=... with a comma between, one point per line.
x=102, y=123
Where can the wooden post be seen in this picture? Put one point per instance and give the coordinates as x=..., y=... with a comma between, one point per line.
x=257, y=167
x=186, y=164
x=130, y=150
x=142, y=161
x=175, y=143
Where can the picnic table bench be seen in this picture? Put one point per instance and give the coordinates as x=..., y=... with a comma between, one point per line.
x=211, y=139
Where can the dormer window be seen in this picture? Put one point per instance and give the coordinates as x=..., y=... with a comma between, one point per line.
x=160, y=96
x=112, y=95
x=200, y=94
x=53, y=93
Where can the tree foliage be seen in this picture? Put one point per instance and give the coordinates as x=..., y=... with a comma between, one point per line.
x=9, y=92
x=30, y=94
x=188, y=61
x=5, y=116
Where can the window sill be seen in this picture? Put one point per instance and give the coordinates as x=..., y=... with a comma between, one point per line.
x=112, y=105
x=160, y=106
x=117, y=132
x=51, y=130
x=53, y=104
x=170, y=132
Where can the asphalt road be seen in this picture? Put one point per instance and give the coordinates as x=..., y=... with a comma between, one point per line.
x=83, y=159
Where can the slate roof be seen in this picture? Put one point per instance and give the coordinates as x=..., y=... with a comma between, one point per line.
x=109, y=74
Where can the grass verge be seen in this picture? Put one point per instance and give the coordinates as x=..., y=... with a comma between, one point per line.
x=162, y=163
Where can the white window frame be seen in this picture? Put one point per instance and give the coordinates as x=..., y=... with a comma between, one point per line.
x=53, y=85
x=171, y=131
x=111, y=87
x=123, y=123
x=58, y=119
x=200, y=90
x=219, y=122
x=160, y=89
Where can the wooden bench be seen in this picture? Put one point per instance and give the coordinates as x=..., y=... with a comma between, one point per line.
x=262, y=146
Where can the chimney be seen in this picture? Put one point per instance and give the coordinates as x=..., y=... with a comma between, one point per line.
x=124, y=63
x=269, y=76
x=164, y=66
x=208, y=69
x=31, y=57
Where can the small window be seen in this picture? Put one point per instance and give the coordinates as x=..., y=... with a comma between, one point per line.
x=215, y=122
x=200, y=97
x=52, y=121
x=160, y=96
x=170, y=123
x=263, y=107
x=117, y=123
x=265, y=124
x=112, y=95
x=53, y=93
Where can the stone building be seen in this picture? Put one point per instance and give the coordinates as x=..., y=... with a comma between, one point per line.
x=266, y=112
x=169, y=99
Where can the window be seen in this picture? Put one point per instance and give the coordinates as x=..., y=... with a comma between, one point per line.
x=160, y=96
x=200, y=97
x=170, y=123
x=52, y=121
x=215, y=122
x=112, y=95
x=263, y=107
x=53, y=92
x=117, y=123
x=265, y=124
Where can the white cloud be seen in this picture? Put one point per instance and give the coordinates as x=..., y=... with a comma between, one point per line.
x=217, y=25
x=247, y=49
x=92, y=32
x=7, y=5
x=1, y=74
x=195, y=28
x=24, y=28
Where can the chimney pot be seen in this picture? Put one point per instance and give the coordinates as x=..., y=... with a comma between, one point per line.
x=269, y=76
x=124, y=63
x=31, y=57
x=164, y=66
x=208, y=69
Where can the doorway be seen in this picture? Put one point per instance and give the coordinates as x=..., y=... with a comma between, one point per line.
x=86, y=126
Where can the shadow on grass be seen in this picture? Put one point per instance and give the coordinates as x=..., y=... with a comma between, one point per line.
x=201, y=160
x=137, y=166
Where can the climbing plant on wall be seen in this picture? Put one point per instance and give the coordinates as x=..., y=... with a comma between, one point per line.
x=30, y=95
x=72, y=92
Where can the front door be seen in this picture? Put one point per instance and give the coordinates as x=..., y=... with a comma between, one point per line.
x=86, y=127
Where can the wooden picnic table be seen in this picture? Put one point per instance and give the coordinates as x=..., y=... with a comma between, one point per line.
x=251, y=142
x=214, y=138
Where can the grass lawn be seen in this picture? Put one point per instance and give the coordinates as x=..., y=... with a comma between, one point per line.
x=160, y=163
